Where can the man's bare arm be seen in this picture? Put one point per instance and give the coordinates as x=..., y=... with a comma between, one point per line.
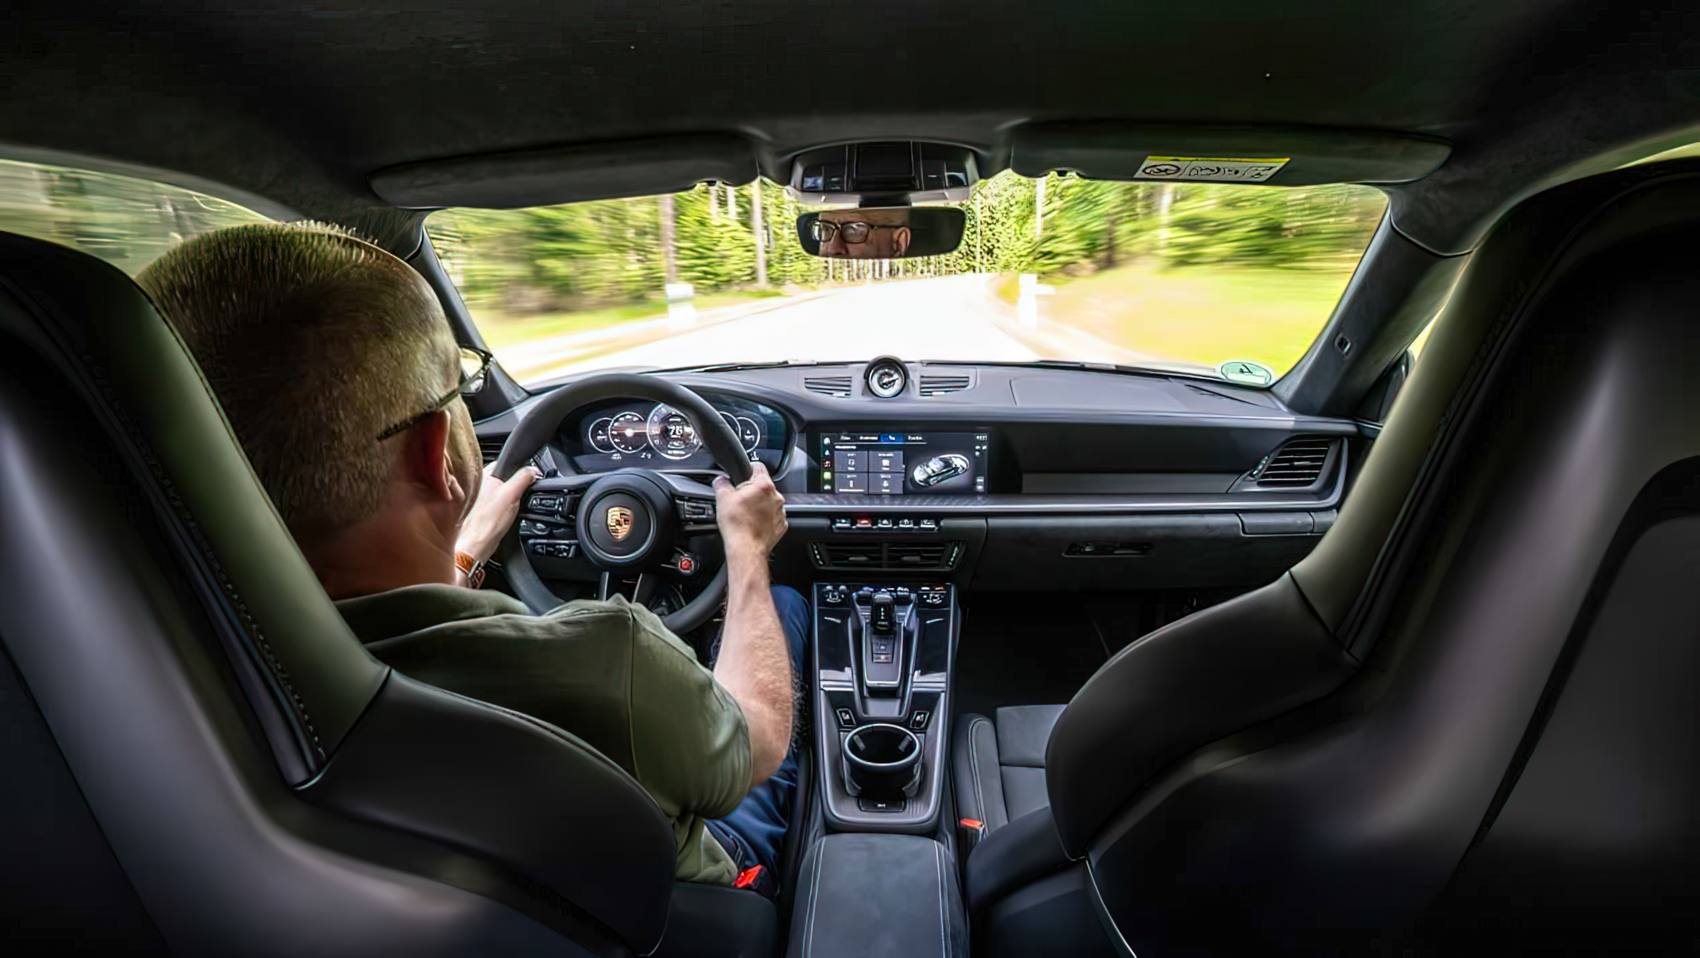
x=754, y=664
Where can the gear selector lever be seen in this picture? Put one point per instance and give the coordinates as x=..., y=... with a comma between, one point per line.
x=882, y=618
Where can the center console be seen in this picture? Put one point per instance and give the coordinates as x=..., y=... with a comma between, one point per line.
x=882, y=880
x=883, y=654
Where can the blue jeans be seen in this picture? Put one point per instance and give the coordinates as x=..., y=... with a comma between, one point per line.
x=755, y=831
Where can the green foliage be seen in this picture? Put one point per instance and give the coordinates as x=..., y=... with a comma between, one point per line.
x=610, y=253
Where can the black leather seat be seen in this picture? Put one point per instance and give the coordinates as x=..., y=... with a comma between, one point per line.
x=1466, y=723
x=201, y=757
x=999, y=762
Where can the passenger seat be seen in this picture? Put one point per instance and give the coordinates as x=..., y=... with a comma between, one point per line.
x=1000, y=763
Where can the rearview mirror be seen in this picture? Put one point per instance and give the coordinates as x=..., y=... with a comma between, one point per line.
x=890, y=232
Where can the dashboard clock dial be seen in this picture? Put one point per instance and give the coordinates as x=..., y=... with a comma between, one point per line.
x=886, y=378
x=671, y=433
x=629, y=433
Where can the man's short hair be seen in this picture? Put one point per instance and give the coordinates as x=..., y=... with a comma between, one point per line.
x=314, y=341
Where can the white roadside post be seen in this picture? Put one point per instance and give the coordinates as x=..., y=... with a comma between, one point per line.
x=681, y=304
x=1027, y=303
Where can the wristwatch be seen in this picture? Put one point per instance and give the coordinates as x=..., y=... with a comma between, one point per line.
x=471, y=568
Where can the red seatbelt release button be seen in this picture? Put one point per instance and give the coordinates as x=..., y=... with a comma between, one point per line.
x=747, y=877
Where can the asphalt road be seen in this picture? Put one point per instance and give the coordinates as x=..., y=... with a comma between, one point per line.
x=954, y=317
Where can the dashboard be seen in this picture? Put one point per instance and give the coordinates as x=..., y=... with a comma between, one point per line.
x=997, y=476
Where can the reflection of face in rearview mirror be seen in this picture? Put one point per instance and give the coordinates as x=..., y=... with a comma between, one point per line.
x=863, y=234
x=881, y=233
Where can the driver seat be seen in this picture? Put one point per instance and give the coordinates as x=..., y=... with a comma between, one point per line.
x=202, y=757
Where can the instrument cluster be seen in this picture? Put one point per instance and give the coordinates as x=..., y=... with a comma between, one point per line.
x=657, y=436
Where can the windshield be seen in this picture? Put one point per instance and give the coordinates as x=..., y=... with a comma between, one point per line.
x=1226, y=281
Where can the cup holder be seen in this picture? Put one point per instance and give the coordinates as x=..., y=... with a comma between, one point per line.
x=882, y=760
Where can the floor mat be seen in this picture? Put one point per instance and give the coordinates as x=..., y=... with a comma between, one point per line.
x=1024, y=650
x=1040, y=648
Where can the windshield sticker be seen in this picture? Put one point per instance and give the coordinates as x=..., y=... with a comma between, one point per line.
x=1211, y=169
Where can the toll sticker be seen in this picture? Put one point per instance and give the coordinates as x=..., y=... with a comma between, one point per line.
x=1212, y=169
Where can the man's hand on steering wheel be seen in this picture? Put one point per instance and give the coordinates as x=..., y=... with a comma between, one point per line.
x=752, y=514
x=493, y=512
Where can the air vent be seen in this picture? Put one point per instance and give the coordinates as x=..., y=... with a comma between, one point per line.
x=491, y=448
x=1297, y=463
x=937, y=385
x=874, y=555
x=828, y=385
x=919, y=556
x=859, y=556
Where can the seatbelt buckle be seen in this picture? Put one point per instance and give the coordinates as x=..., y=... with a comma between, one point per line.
x=755, y=878
x=973, y=830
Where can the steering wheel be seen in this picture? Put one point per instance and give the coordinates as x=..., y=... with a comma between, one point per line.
x=630, y=519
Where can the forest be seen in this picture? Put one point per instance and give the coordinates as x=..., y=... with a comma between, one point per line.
x=1190, y=272
x=610, y=252
x=720, y=238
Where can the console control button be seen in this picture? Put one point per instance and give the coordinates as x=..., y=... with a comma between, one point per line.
x=833, y=595
x=553, y=548
x=846, y=718
x=919, y=719
x=544, y=502
x=695, y=510
x=882, y=804
x=682, y=562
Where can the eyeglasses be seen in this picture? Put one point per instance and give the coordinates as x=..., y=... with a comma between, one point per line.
x=474, y=373
x=855, y=231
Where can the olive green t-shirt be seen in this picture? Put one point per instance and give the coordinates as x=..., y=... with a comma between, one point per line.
x=607, y=672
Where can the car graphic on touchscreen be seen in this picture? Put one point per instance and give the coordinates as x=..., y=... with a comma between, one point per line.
x=939, y=469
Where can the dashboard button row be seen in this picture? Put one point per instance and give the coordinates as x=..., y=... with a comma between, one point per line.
x=884, y=524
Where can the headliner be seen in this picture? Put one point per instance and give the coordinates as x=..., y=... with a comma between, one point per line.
x=302, y=105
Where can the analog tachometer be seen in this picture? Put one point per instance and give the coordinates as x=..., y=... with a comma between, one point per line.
x=628, y=433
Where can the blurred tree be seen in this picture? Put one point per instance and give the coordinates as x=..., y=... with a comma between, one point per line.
x=614, y=252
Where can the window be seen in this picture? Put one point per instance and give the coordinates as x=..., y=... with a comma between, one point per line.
x=126, y=221
x=1217, y=280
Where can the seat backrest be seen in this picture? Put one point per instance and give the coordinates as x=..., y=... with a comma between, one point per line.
x=214, y=761
x=1470, y=716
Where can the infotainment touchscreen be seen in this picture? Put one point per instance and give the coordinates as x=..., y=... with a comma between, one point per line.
x=888, y=463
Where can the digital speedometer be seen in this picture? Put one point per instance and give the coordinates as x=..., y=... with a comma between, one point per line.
x=671, y=433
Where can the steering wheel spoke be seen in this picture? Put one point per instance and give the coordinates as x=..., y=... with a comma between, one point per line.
x=643, y=587
x=694, y=501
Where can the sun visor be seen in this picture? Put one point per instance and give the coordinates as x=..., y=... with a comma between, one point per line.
x=1277, y=156
x=568, y=174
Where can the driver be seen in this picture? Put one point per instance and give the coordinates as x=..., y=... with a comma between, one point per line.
x=863, y=233
x=338, y=372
